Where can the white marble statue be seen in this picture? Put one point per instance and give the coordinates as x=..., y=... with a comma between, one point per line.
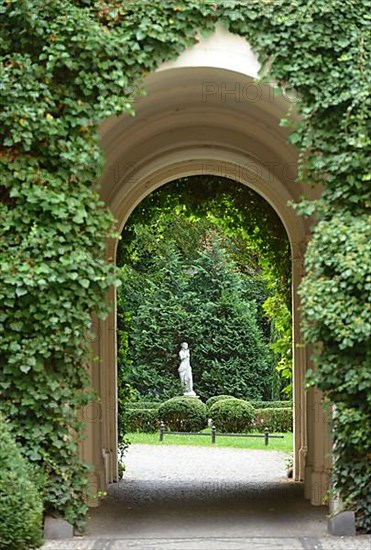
x=185, y=371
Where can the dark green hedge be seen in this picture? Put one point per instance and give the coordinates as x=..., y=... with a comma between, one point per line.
x=232, y=415
x=141, y=420
x=183, y=414
x=276, y=420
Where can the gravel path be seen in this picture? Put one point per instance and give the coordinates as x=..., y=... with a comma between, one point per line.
x=179, y=474
x=202, y=498
x=178, y=490
x=203, y=464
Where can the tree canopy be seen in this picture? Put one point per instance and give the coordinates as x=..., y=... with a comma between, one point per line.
x=192, y=270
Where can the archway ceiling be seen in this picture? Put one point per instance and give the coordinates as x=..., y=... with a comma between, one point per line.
x=175, y=114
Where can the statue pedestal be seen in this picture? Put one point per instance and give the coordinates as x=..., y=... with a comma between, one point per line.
x=190, y=394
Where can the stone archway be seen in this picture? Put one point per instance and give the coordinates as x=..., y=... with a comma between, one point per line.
x=204, y=113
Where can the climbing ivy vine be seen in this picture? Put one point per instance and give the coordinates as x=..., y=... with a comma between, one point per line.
x=68, y=65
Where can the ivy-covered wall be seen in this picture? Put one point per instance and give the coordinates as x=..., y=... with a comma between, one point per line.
x=66, y=66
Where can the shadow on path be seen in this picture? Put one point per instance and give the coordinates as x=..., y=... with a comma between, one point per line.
x=192, y=492
x=228, y=510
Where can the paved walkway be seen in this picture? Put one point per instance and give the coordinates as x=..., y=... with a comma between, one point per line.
x=201, y=498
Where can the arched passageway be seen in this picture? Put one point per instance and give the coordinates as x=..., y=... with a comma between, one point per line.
x=204, y=114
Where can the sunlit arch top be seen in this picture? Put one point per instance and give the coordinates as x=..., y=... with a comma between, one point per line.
x=204, y=113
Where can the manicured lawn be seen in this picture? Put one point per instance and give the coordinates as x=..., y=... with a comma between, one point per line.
x=284, y=444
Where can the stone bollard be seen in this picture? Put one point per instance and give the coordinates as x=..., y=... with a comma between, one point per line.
x=213, y=434
x=340, y=523
x=57, y=528
x=162, y=430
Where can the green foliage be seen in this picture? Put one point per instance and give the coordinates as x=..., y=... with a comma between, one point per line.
x=232, y=415
x=336, y=301
x=258, y=240
x=343, y=272
x=141, y=420
x=352, y=457
x=281, y=339
x=21, y=507
x=53, y=229
x=125, y=395
x=206, y=302
x=183, y=414
x=210, y=402
x=65, y=66
x=275, y=419
x=186, y=212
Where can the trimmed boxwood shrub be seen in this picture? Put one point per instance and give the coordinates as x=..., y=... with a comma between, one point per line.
x=210, y=402
x=141, y=420
x=21, y=507
x=275, y=419
x=232, y=415
x=271, y=404
x=183, y=414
